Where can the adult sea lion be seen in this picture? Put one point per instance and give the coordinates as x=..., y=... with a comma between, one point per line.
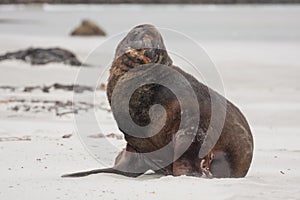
x=143, y=51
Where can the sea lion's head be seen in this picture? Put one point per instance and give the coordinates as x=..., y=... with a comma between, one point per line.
x=143, y=45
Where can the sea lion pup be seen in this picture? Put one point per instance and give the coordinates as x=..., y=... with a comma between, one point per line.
x=142, y=50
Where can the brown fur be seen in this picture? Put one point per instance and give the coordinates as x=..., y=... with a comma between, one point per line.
x=230, y=157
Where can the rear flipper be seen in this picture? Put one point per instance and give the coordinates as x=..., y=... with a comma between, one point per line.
x=220, y=166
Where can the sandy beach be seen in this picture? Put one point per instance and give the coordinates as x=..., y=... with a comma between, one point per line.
x=256, y=50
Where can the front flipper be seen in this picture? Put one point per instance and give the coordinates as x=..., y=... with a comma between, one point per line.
x=128, y=163
x=185, y=164
x=97, y=171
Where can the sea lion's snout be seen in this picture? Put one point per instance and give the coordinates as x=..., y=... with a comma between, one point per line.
x=144, y=40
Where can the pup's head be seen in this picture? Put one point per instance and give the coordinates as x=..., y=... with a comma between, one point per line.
x=144, y=44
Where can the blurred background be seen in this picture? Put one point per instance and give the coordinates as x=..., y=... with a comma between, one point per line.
x=255, y=46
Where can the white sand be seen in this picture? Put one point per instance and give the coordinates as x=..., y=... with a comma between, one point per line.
x=260, y=76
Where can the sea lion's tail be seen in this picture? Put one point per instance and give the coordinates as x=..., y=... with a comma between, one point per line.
x=97, y=171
